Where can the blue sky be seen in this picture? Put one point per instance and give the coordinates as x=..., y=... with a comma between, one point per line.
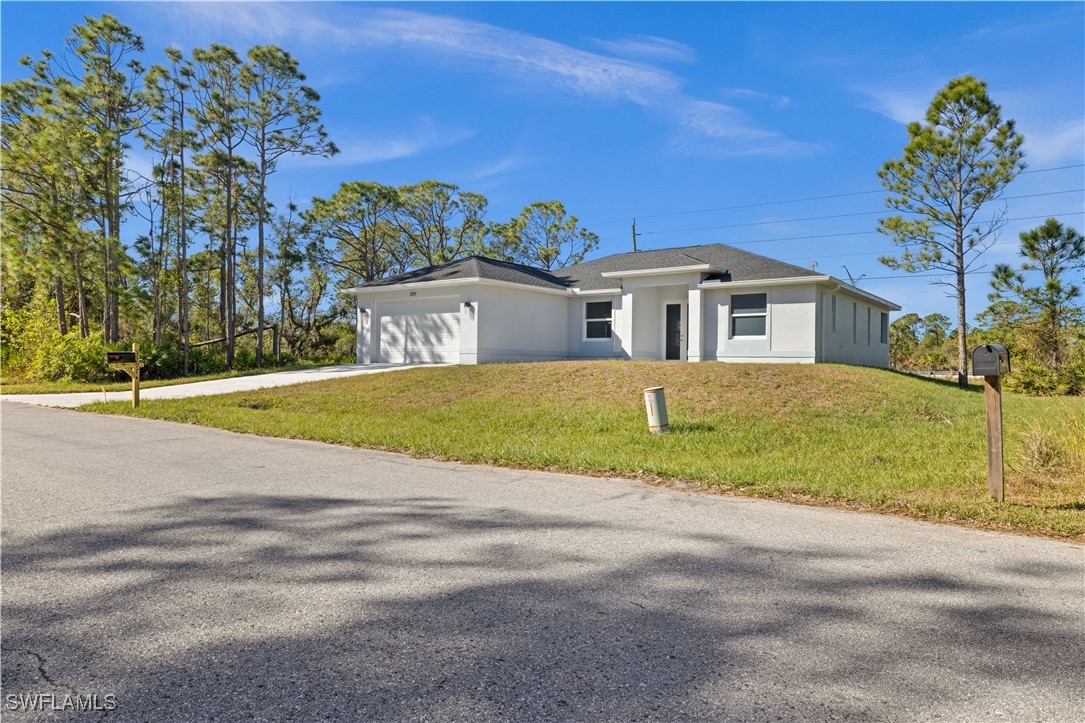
x=708, y=122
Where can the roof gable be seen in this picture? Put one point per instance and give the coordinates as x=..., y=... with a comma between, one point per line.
x=476, y=267
x=731, y=263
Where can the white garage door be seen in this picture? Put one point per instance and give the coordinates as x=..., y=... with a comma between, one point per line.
x=419, y=331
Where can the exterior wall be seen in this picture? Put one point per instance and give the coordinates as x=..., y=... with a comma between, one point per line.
x=843, y=343
x=790, y=326
x=367, y=348
x=515, y=325
x=648, y=294
x=580, y=348
x=498, y=324
x=645, y=344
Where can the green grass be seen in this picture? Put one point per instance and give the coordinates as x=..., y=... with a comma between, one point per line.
x=63, y=387
x=826, y=434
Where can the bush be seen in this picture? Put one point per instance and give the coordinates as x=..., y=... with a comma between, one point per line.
x=202, y=360
x=1033, y=378
x=69, y=358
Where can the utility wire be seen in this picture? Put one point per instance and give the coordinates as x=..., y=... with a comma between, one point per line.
x=874, y=253
x=866, y=233
x=809, y=218
x=801, y=200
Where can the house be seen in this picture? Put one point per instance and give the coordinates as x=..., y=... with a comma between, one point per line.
x=695, y=303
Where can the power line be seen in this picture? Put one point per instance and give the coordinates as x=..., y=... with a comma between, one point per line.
x=866, y=233
x=874, y=253
x=925, y=276
x=1054, y=168
x=766, y=203
x=801, y=200
x=824, y=218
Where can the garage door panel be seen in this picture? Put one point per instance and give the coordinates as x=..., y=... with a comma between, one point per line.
x=419, y=332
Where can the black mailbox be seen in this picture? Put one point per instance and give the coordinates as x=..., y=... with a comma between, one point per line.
x=990, y=360
x=120, y=357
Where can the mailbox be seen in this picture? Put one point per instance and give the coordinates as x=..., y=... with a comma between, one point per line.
x=990, y=360
x=120, y=357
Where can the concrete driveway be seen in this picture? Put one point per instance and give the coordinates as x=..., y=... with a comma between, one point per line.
x=195, y=574
x=215, y=386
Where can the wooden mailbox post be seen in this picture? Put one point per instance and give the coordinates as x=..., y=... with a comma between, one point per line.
x=991, y=361
x=127, y=361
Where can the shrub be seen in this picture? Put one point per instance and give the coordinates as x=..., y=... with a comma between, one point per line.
x=160, y=361
x=202, y=360
x=1030, y=377
x=70, y=358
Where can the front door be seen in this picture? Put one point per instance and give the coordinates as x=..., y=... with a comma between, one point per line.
x=673, y=334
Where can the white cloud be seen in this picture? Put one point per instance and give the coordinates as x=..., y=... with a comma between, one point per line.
x=776, y=102
x=502, y=165
x=902, y=105
x=139, y=161
x=357, y=147
x=730, y=132
x=1047, y=141
x=649, y=47
x=528, y=58
x=1055, y=143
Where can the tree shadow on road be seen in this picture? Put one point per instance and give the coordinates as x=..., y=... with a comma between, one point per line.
x=300, y=607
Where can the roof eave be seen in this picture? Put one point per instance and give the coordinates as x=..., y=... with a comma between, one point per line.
x=786, y=281
x=792, y=280
x=443, y=283
x=660, y=271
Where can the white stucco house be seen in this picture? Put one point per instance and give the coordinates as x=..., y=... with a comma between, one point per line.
x=695, y=303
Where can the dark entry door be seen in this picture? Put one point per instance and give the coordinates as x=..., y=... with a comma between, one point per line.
x=674, y=332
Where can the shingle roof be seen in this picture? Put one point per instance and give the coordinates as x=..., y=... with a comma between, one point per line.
x=730, y=263
x=479, y=267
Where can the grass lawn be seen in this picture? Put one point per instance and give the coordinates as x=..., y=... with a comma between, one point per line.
x=126, y=382
x=825, y=434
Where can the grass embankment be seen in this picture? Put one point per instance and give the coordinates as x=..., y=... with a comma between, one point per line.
x=63, y=387
x=826, y=434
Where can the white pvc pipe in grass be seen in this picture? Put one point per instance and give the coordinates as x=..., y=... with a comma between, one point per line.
x=656, y=405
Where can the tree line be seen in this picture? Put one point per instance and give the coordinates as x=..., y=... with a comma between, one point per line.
x=209, y=254
x=1041, y=321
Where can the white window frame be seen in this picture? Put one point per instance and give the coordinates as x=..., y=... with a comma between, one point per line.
x=585, y=320
x=746, y=314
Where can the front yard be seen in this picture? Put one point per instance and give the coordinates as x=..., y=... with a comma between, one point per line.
x=826, y=434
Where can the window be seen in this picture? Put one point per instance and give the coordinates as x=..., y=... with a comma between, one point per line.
x=597, y=319
x=854, y=323
x=885, y=328
x=748, y=314
x=868, y=326
x=834, y=313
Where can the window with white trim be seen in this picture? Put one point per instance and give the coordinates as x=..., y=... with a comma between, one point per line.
x=598, y=316
x=749, y=314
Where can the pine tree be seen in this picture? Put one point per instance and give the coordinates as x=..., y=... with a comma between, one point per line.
x=955, y=163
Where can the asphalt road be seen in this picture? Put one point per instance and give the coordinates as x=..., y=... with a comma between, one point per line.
x=194, y=574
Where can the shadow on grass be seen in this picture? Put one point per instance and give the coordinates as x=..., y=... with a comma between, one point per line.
x=298, y=607
x=950, y=383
